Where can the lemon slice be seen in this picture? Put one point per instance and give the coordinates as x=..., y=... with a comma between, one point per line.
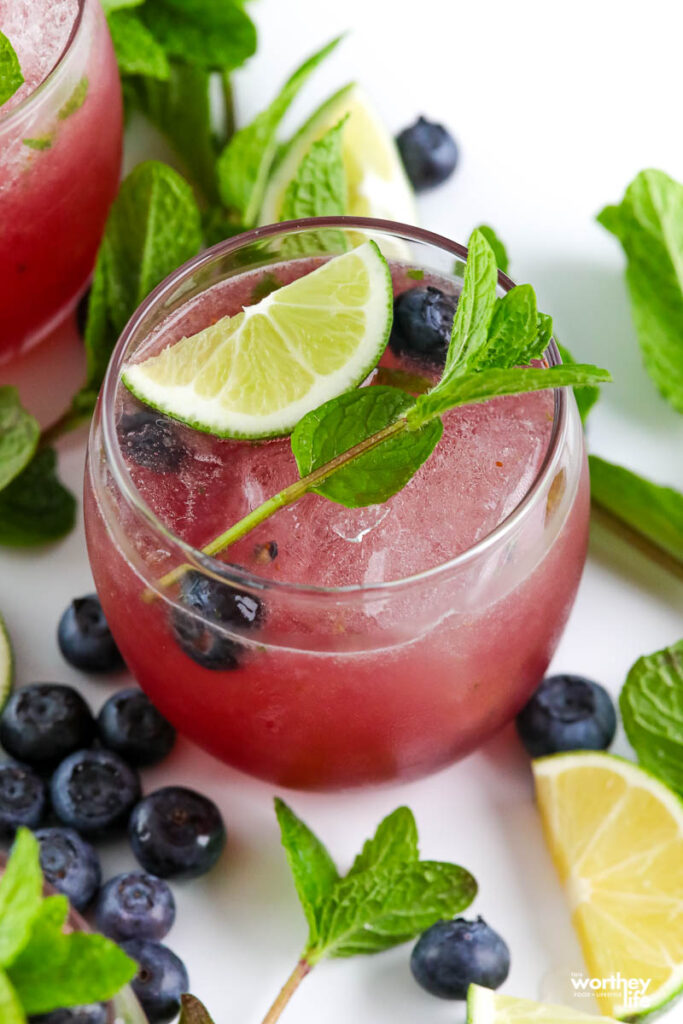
x=377, y=183
x=616, y=835
x=6, y=664
x=257, y=373
x=487, y=1007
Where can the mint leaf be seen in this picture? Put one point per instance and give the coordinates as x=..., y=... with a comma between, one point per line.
x=513, y=334
x=192, y=1011
x=19, y=433
x=11, y=1011
x=245, y=163
x=499, y=250
x=11, y=77
x=117, y=5
x=650, y=509
x=20, y=896
x=649, y=224
x=217, y=35
x=651, y=705
x=374, y=910
x=137, y=50
x=475, y=306
x=344, y=422
x=75, y=100
x=40, y=142
x=586, y=396
x=394, y=842
x=412, y=383
x=35, y=507
x=314, y=871
x=100, y=334
x=318, y=190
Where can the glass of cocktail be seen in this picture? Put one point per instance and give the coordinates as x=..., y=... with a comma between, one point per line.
x=333, y=646
x=60, y=157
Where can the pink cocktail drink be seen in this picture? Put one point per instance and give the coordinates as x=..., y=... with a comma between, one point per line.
x=378, y=642
x=60, y=157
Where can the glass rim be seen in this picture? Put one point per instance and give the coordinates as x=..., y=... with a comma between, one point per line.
x=53, y=73
x=235, y=574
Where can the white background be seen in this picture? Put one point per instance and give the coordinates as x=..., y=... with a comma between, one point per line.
x=555, y=107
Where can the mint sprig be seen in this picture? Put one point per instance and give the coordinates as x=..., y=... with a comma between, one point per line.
x=11, y=76
x=42, y=968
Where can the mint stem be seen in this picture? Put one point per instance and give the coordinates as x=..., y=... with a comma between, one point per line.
x=287, y=991
x=286, y=497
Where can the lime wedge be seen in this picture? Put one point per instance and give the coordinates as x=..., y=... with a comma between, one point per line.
x=487, y=1007
x=616, y=835
x=6, y=664
x=257, y=373
x=377, y=183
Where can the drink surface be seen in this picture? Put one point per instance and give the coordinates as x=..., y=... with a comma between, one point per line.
x=485, y=463
x=38, y=31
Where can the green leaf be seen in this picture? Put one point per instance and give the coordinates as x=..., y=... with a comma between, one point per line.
x=394, y=843
x=412, y=383
x=100, y=335
x=75, y=100
x=475, y=306
x=499, y=250
x=314, y=871
x=374, y=910
x=19, y=433
x=11, y=1011
x=651, y=705
x=246, y=161
x=35, y=507
x=117, y=5
x=479, y=387
x=192, y=1011
x=586, y=397
x=137, y=51
x=40, y=142
x=214, y=34
x=650, y=509
x=649, y=224
x=20, y=896
x=344, y=422
x=513, y=333
x=11, y=77
x=318, y=190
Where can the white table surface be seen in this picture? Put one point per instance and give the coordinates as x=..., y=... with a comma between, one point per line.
x=555, y=107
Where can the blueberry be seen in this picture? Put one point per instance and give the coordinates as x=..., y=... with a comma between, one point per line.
x=567, y=713
x=220, y=604
x=44, y=722
x=22, y=798
x=135, y=906
x=429, y=153
x=423, y=320
x=69, y=864
x=94, y=791
x=94, y=1013
x=85, y=639
x=130, y=725
x=176, y=833
x=160, y=981
x=452, y=955
x=151, y=441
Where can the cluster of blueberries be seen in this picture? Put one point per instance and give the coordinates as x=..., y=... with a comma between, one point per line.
x=74, y=779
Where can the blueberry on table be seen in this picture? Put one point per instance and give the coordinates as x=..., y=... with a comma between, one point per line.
x=161, y=979
x=85, y=639
x=452, y=955
x=429, y=153
x=211, y=604
x=70, y=865
x=135, y=905
x=423, y=321
x=176, y=833
x=94, y=791
x=44, y=722
x=23, y=796
x=93, y=1013
x=567, y=712
x=151, y=441
x=130, y=725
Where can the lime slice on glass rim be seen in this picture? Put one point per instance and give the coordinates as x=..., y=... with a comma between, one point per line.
x=487, y=1007
x=377, y=183
x=257, y=373
x=6, y=664
x=615, y=833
